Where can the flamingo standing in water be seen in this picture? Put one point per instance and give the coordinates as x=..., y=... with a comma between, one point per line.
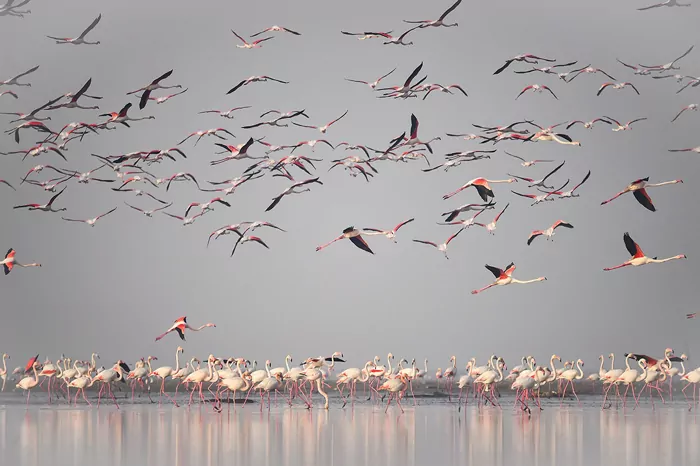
x=180, y=325
x=638, y=258
x=503, y=277
x=639, y=189
x=394, y=387
x=569, y=376
x=165, y=372
x=28, y=383
x=80, y=383
x=108, y=376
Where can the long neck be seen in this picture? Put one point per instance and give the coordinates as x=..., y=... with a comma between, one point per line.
x=682, y=367
x=332, y=362
x=524, y=282
x=602, y=360
x=426, y=365
x=120, y=374
x=389, y=362
x=319, y=385
x=192, y=363
x=36, y=376
x=177, y=360
x=150, y=369
x=286, y=362
x=627, y=362
x=454, y=363
x=238, y=368
x=660, y=261
x=92, y=360
x=580, y=371
x=500, y=373
x=365, y=373
x=656, y=185
x=267, y=369
x=4, y=365
x=612, y=361
x=551, y=364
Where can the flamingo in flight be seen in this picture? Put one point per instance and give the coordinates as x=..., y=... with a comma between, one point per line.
x=367, y=35
x=39, y=168
x=446, y=89
x=548, y=69
x=15, y=80
x=527, y=163
x=323, y=128
x=504, y=277
x=9, y=262
x=639, y=189
x=440, y=22
x=235, y=152
x=206, y=206
x=537, y=88
x=693, y=107
x=73, y=103
x=587, y=124
x=406, y=87
x=491, y=227
x=254, y=79
x=397, y=40
x=589, y=69
x=451, y=215
x=670, y=65
x=149, y=213
x=527, y=58
x=180, y=325
x=390, y=234
x=354, y=235
x=414, y=140
x=549, y=232
x=668, y=3
x=38, y=149
x=539, y=182
x=372, y=85
x=483, y=187
x=625, y=127
x=122, y=117
x=276, y=29
x=440, y=247
x=186, y=220
x=541, y=197
x=253, y=45
x=80, y=40
x=48, y=207
x=90, y=221
x=570, y=193
x=616, y=86
x=165, y=98
x=10, y=93
x=36, y=125
x=207, y=132
x=5, y=182
x=155, y=84
x=226, y=113
x=638, y=258
x=246, y=238
x=467, y=222
x=296, y=188
x=638, y=70
x=689, y=149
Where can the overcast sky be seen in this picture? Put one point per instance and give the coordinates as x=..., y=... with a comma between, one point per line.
x=114, y=287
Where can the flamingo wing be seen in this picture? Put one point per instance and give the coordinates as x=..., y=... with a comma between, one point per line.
x=632, y=247
x=494, y=270
x=414, y=126
x=642, y=196
x=360, y=242
x=91, y=27
x=396, y=228
x=533, y=235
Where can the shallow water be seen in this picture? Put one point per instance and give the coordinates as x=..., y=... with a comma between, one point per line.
x=434, y=432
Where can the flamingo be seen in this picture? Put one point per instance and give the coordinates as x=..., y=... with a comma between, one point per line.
x=503, y=277
x=354, y=235
x=247, y=238
x=276, y=29
x=36, y=125
x=90, y=221
x=616, y=86
x=491, y=227
x=122, y=117
x=668, y=66
x=48, y=207
x=639, y=189
x=80, y=382
x=167, y=371
x=440, y=22
x=396, y=40
x=541, y=197
x=254, y=79
x=207, y=132
x=625, y=127
x=80, y=40
x=351, y=376
x=323, y=128
x=3, y=371
x=228, y=114
x=186, y=220
x=527, y=58
x=638, y=70
x=406, y=85
x=155, y=84
x=527, y=163
x=638, y=258
x=449, y=375
x=236, y=152
x=440, y=247
x=149, y=213
x=372, y=85
x=693, y=107
x=235, y=384
x=165, y=98
x=367, y=35
x=466, y=208
x=394, y=387
x=414, y=140
x=482, y=185
x=206, y=206
x=296, y=188
x=180, y=325
x=311, y=144
x=14, y=81
x=253, y=45
x=389, y=234
x=10, y=93
x=569, y=376
x=549, y=232
x=548, y=70
x=73, y=103
x=38, y=149
x=692, y=377
x=490, y=377
x=28, y=383
x=537, y=88
x=569, y=194
x=587, y=124
x=107, y=377
x=668, y=3
x=589, y=69
x=689, y=149
x=9, y=262
x=198, y=377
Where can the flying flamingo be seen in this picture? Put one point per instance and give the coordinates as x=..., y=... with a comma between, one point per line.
x=48, y=207
x=311, y=144
x=38, y=149
x=165, y=98
x=537, y=88
x=90, y=221
x=155, y=84
x=588, y=69
x=453, y=214
x=503, y=277
x=639, y=189
x=372, y=85
x=625, y=127
x=638, y=258
x=80, y=40
x=324, y=128
x=293, y=189
x=406, y=85
x=186, y=220
x=413, y=139
x=9, y=262
x=167, y=371
x=8, y=184
x=180, y=325
x=690, y=149
x=246, y=238
x=440, y=247
x=122, y=116
x=14, y=81
x=482, y=185
x=490, y=227
x=541, y=197
x=254, y=79
x=527, y=163
x=668, y=66
x=238, y=152
x=253, y=45
x=225, y=113
x=437, y=22
x=693, y=107
x=36, y=125
x=10, y=93
x=397, y=40
x=616, y=86
x=390, y=234
x=668, y=3
x=354, y=236
x=367, y=35
x=467, y=222
x=207, y=132
x=206, y=206
x=549, y=232
x=73, y=103
x=587, y=124
x=527, y=58
x=28, y=383
x=276, y=29
x=540, y=183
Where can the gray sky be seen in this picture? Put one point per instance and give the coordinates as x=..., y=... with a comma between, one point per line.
x=114, y=287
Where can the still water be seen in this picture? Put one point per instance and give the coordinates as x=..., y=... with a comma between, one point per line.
x=429, y=434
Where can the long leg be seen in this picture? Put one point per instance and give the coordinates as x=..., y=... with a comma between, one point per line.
x=573, y=389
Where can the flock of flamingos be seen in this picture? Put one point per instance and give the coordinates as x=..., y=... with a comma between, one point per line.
x=234, y=378
x=128, y=173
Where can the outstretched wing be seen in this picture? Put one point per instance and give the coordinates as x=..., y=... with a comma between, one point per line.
x=91, y=27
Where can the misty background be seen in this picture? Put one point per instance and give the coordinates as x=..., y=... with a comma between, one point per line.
x=114, y=287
